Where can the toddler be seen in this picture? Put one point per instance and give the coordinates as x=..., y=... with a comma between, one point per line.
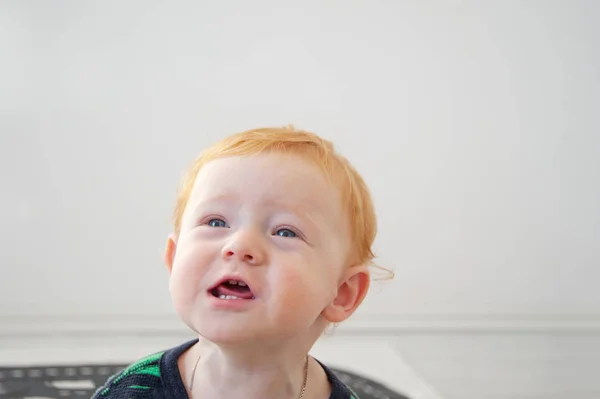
x=271, y=244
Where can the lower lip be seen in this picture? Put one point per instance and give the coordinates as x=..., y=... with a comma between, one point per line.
x=229, y=304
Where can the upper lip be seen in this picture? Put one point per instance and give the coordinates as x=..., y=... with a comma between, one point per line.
x=229, y=277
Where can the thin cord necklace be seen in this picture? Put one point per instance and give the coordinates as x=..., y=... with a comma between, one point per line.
x=191, y=385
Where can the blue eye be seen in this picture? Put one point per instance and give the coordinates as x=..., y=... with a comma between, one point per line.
x=216, y=223
x=286, y=233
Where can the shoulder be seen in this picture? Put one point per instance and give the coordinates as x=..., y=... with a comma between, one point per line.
x=154, y=376
x=339, y=390
x=139, y=380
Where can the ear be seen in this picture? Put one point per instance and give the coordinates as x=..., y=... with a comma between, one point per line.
x=350, y=294
x=170, y=250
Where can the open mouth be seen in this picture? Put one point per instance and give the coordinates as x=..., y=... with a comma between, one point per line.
x=232, y=290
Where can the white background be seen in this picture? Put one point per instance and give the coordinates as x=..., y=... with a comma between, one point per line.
x=475, y=124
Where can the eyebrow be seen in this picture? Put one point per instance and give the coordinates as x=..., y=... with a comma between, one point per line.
x=229, y=198
x=296, y=207
x=225, y=197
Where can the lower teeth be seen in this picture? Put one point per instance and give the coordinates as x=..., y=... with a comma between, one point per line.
x=229, y=297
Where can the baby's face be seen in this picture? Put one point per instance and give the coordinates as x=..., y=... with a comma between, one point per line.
x=276, y=228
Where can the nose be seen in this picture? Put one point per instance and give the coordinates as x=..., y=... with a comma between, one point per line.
x=245, y=247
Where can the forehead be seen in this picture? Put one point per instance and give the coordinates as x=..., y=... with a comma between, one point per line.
x=269, y=179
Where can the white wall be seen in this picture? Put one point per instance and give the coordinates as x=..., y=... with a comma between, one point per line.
x=475, y=124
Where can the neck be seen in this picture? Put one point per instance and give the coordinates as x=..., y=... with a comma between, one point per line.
x=249, y=370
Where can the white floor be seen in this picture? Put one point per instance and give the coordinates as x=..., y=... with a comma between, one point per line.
x=434, y=366
x=507, y=366
x=373, y=357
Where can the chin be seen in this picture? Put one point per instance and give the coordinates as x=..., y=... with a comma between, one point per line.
x=228, y=336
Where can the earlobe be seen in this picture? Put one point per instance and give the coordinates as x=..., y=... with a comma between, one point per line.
x=170, y=250
x=350, y=294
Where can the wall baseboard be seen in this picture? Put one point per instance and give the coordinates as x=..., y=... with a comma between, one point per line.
x=169, y=324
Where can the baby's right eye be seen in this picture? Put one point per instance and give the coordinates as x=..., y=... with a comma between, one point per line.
x=217, y=223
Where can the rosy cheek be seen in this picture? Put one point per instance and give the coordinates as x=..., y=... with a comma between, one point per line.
x=197, y=254
x=299, y=282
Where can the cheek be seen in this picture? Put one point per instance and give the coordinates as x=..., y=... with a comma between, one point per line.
x=306, y=289
x=190, y=265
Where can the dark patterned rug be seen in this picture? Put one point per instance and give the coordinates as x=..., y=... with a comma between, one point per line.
x=81, y=382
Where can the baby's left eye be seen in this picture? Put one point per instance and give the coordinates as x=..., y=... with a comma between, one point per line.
x=286, y=233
